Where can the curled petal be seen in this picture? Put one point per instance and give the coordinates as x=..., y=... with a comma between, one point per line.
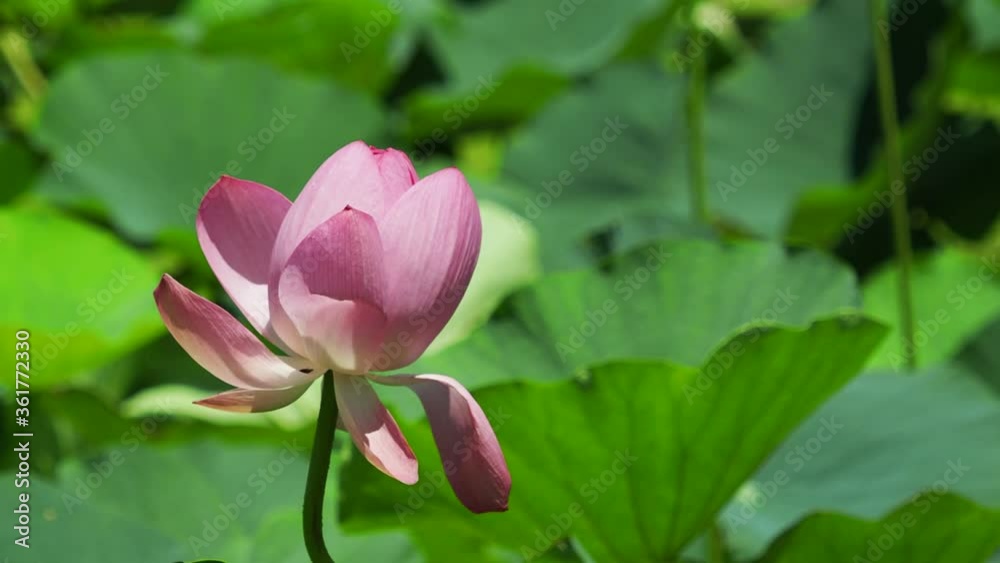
x=373, y=428
x=431, y=238
x=246, y=400
x=397, y=171
x=328, y=301
x=469, y=450
x=220, y=344
x=237, y=225
x=350, y=177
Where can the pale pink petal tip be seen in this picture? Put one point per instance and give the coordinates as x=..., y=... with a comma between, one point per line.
x=249, y=401
x=373, y=429
x=469, y=450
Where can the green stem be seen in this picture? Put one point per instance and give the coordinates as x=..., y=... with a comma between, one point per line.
x=15, y=51
x=319, y=467
x=695, y=109
x=894, y=160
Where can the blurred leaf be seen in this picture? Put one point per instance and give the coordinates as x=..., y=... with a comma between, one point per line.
x=296, y=416
x=589, y=459
x=109, y=35
x=674, y=301
x=31, y=16
x=954, y=297
x=203, y=500
x=768, y=7
x=279, y=541
x=85, y=297
x=877, y=443
x=777, y=124
x=563, y=37
x=172, y=124
x=974, y=86
x=348, y=40
x=983, y=17
x=915, y=532
x=494, y=99
x=210, y=12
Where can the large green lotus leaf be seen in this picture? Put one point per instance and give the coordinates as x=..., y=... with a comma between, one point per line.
x=927, y=529
x=203, y=500
x=84, y=297
x=674, y=300
x=435, y=115
x=955, y=296
x=633, y=461
x=561, y=36
x=349, y=40
x=880, y=441
x=196, y=120
x=617, y=147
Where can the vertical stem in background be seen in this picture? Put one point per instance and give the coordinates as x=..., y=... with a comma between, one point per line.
x=319, y=467
x=894, y=159
x=15, y=51
x=695, y=114
x=695, y=106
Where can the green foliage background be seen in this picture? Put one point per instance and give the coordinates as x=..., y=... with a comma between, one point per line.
x=664, y=388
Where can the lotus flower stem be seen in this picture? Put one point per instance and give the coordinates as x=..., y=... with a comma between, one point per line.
x=894, y=160
x=319, y=467
x=695, y=109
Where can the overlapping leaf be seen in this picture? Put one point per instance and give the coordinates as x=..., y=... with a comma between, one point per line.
x=83, y=295
x=633, y=462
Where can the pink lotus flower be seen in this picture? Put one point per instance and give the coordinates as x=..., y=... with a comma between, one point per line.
x=360, y=273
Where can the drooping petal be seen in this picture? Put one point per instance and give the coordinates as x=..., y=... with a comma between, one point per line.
x=328, y=303
x=246, y=400
x=431, y=238
x=237, y=224
x=469, y=450
x=220, y=344
x=373, y=428
x=350, y=177
x=397, y=171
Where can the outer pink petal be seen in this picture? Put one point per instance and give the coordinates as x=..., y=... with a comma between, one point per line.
x=220, y=344
x=373, y=428
x=330, y=296
x=431, y=239
x=350, y=177
x=245, y=400
x=397, y=171
x=469, y=450
x=237, y=224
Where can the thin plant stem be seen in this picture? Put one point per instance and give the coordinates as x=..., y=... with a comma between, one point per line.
x=16, y=52
x=319, y=468
x=894, y=161
x=695, y=110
